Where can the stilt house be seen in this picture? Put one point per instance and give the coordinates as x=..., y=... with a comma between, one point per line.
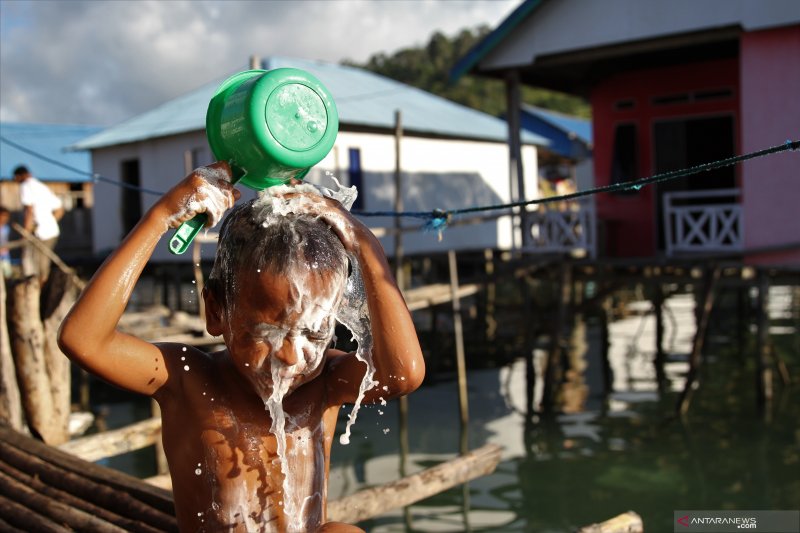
x=672, y=85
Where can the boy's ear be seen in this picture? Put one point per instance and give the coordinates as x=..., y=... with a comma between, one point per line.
x=213, y=312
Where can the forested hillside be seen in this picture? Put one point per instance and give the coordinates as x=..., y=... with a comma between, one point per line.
x=428, y=68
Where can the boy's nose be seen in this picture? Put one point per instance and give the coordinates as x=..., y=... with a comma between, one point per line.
x=287, y=353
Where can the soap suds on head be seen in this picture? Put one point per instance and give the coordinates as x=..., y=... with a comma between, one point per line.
x=353, y=311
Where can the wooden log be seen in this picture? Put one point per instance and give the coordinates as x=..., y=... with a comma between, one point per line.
x=375, y=501
x=629, y=522
x=73, y=501
x=21, y=516
x=57, y=511
x=108, y=488
x=8, y=528
x=115, y=441
x=10, y=400
x=27, y=341
x=61, y=293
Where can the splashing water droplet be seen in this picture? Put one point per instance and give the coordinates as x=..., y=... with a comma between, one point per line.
x=197, y=472
x=186, y=367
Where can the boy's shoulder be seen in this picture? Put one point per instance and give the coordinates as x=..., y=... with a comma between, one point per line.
x=189, y=362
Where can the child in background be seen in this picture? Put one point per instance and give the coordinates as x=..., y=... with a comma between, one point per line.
x=275, y=287
x=5, y=240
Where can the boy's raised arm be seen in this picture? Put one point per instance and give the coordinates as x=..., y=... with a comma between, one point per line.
x=89, y=334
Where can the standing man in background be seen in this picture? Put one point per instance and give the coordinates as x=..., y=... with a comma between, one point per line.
x=43, y=210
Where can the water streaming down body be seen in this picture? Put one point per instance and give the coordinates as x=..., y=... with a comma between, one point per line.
x=353, y=313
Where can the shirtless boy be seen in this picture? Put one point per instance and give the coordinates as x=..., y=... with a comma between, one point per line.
x=272, y=295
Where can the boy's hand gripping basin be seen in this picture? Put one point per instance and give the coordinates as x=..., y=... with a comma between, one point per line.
x=270, y=126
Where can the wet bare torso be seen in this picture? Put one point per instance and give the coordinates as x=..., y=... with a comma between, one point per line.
x=223, y=458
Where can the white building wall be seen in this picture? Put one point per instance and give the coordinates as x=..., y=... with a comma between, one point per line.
x=437, y=174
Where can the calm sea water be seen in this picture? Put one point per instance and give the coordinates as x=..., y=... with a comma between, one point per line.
x=606, y=452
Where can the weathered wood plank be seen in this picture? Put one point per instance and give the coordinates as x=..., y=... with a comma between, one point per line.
x=375, y=501
x=629, y=522
x=436, y=294
x=115, y=441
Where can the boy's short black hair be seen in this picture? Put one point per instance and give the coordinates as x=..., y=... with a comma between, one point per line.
x=20, y=170
x=279, y=245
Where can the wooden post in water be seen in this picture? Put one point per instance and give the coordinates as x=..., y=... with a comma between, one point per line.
x=458, y=331
x=695, y=358
x=463, y=401
x=658, y=309
x=528, y=350
x=491, y=298
x=764, y=370
x=552, y=375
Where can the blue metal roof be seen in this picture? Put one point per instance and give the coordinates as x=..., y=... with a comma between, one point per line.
x=363, y=99
x=570, y=136
x=569, y=124
x=20, y=141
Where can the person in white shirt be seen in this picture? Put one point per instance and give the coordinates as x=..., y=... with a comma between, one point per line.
x=43, y=210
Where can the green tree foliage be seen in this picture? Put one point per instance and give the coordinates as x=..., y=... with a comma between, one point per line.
x=428, y=67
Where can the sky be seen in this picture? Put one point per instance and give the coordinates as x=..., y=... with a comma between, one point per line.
x=101, y=62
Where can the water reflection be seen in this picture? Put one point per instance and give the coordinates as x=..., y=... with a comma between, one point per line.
x=614, y=443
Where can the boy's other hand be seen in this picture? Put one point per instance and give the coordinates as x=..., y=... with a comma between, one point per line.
x=205, y=190
x=346, y=226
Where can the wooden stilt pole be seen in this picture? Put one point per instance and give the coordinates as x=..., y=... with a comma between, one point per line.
x=695, y=358
x=553, y=371
x=528, y=351
x=658, y=309
x=764, y=370
x=463, y=402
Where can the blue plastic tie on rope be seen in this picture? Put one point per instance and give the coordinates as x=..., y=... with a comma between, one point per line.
x=437, y=222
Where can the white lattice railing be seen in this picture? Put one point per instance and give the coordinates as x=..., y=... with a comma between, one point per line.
x=564, y=227
x=702, y=227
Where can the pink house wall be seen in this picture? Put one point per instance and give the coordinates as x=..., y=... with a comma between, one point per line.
x=770, y=114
